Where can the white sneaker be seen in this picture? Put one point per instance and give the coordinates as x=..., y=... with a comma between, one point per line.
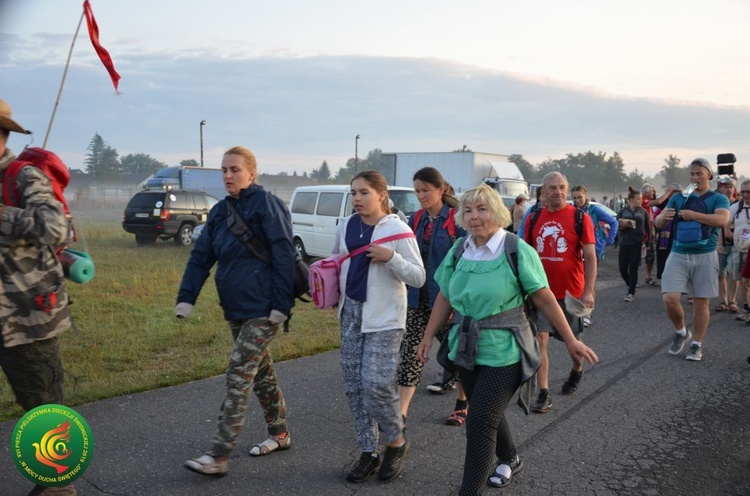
x=208, y=465
x=695, y=353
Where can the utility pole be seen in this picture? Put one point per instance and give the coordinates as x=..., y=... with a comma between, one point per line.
x=203, y=123
x=356, y=154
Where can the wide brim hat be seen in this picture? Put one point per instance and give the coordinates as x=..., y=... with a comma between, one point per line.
x=6, y=122
x=575, y=307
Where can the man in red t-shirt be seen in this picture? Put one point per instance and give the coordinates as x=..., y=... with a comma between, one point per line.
x=555, y=239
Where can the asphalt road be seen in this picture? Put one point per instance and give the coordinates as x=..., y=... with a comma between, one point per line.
x=643, y=423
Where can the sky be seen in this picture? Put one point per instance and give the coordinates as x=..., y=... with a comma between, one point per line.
x=297, y=81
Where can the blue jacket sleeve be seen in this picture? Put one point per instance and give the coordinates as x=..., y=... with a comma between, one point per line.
x=522, y=225
x=602, y=215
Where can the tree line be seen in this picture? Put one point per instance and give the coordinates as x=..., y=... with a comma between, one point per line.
x=103, y=162
x=598, y=171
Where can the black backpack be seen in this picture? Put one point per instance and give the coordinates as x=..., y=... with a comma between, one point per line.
x=300, y=286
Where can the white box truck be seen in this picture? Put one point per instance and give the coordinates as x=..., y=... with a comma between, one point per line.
x=463, y=170
x=187, y=177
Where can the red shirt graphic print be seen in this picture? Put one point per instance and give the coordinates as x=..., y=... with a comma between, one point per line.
x=555, y=240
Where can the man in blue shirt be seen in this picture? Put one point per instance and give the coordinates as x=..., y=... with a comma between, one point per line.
x=693, y=260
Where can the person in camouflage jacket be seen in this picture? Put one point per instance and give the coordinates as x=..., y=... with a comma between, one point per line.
x=33, y=294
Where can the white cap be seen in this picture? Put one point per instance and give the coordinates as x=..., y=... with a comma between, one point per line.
x=576, y=307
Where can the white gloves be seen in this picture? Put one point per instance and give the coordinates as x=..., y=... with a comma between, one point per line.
x=277, y=317
x=183, y=310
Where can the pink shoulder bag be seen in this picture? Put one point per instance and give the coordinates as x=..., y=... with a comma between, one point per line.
x=324, y=274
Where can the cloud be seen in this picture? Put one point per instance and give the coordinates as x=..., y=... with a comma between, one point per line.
x=297, y=112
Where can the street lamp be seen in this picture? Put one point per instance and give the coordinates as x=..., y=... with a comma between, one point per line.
x=203, y=123
x=356, y=153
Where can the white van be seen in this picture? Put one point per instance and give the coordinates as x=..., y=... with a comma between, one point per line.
x=318, y=210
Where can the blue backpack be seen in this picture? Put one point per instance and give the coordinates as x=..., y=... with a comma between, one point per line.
x=692, y=231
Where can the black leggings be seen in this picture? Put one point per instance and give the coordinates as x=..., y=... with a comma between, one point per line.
x=661, y=261
x=630, y=258
x=489, y=390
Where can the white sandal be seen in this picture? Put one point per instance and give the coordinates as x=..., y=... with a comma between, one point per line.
x=270, y=445
x=503, y=472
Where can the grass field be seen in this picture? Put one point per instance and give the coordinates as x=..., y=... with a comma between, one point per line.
x=127, y=338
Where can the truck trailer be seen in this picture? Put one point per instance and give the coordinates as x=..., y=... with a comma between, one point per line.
x=463, y=170
x=187, y=177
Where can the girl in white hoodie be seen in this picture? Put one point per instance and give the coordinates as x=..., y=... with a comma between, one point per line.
x=372, y=312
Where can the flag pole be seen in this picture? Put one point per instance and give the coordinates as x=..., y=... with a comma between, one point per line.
x=62, y=83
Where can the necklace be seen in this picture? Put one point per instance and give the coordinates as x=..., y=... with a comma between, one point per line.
x=361, y=226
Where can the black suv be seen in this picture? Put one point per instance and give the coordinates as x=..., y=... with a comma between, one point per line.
x=166, y=214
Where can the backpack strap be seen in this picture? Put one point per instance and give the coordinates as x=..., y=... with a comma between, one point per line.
x=450, y=224
x=238, y=227
x=458, y=251
x=579, y=225
x=11, y=196
x=532, y=223
x=579, y=213
x=740, y=208
x=511, y=253
x=417, y=217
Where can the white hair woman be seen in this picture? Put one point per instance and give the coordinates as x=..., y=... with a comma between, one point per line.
x=480, y=289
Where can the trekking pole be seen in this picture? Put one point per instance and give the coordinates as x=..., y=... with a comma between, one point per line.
x=62, y=83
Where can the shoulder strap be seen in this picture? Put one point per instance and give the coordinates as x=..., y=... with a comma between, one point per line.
x=417, y=217
x=362, y=249
x=511, y=253
x=532, y=222
x=579, y=224
x=10, y=191
x=450, y=224
x=458, y=251
x=740, y=206
x=238, y=227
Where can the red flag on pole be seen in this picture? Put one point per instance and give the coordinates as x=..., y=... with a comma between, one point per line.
x=100, y=50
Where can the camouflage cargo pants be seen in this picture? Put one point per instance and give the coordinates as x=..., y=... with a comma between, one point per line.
x=34, y=371
x=250, y=365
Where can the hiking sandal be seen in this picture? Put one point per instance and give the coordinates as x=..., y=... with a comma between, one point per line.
x=733, y=307
x=457, y=418
x=498, y=478
x=722, y=307
x=270, y=445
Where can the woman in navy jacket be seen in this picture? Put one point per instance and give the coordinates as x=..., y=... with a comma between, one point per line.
x=256, y=298
x=435, y=228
